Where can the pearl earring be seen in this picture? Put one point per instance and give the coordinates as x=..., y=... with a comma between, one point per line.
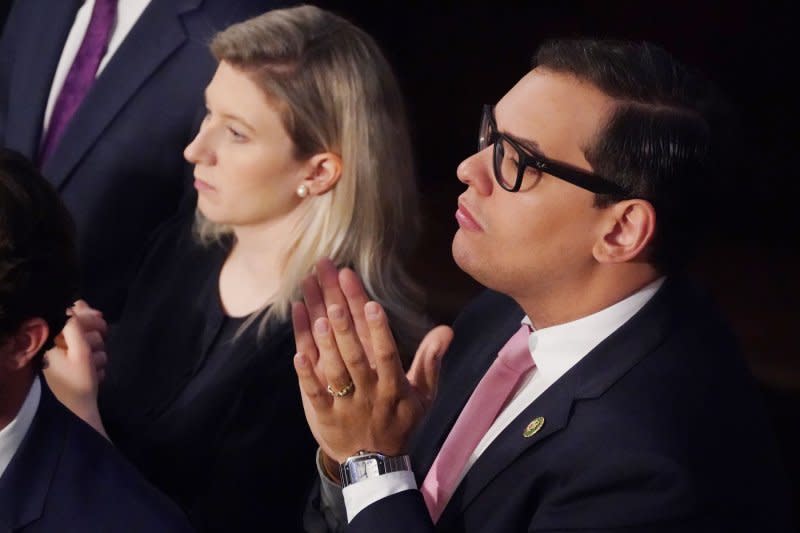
x=302, y=191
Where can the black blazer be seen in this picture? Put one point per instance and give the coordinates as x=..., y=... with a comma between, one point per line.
x=120, y=166
x=228, y=442
x=659, y=428
x=66, y=477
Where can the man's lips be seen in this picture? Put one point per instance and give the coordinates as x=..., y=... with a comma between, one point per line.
x=466, y=220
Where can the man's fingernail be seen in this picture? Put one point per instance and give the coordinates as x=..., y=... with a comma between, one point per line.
x=321, y=326
x=372, y=310
x=336, y=312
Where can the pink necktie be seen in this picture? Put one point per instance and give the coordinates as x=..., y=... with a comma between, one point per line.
x=488, y=398
x=81, y=74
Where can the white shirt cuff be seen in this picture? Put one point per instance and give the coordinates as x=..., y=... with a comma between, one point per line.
x=331, y=500
x=368, y=491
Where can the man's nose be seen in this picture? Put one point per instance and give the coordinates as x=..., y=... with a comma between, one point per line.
x=476, y=171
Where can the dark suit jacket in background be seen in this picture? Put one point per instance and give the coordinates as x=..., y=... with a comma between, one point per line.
x=659, y=428
x=66, y=477
x=119, y=167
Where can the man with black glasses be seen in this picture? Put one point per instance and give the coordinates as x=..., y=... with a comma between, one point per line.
x=593, y=387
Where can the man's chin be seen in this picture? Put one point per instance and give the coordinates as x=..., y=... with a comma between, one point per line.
x=475, y=263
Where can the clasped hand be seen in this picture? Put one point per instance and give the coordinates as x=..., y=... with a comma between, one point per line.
x=342, y=337
x=76, y=365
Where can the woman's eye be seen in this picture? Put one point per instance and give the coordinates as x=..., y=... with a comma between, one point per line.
x=237, y=136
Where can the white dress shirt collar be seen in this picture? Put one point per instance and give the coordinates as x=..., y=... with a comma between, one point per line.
x=556, y=349
x=12, y=435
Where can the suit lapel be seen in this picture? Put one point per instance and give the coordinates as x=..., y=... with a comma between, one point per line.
x=26, y=482
x=588, y=379
x=34, y=67
x=154, y=37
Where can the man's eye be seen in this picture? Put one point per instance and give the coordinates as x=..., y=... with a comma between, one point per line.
x=532, y=169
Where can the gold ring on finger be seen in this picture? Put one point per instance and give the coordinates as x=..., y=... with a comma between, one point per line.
x=341, y=393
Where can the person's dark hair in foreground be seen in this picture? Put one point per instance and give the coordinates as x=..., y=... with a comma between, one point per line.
x=56, y=472
x=38, y=265
x=593, y=387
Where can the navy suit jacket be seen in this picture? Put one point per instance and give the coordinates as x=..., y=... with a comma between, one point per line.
x=66, y=477
x=119, y=167
x=659, y=428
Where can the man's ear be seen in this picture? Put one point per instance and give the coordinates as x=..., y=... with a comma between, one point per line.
x=629, y=228
x=23, y=345
x=323, y=172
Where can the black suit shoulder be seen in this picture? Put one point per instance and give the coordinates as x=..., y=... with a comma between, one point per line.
x=677, y=438
x=66, y=477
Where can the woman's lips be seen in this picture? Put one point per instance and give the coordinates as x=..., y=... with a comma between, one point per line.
x=466, y=220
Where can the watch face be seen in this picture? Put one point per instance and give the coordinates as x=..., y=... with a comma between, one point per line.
x=371, y=465
x=362, y=467
x=368, y=467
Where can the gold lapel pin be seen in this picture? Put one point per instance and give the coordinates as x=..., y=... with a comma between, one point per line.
x=534, y=427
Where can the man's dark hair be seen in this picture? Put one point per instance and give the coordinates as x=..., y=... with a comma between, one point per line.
x=38, y=265
x=666, y=141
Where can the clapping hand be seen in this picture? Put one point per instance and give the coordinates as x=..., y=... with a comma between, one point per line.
x=355, y=393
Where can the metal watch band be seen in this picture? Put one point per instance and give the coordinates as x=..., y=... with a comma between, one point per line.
x=366, y=465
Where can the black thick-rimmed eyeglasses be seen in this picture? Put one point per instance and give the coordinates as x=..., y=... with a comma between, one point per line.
x=511, y=160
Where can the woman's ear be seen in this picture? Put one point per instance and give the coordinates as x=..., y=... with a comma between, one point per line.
x=628, y=229
x=323, y=173
x=22, y=346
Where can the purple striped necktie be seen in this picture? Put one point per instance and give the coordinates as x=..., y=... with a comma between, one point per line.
x=487, y=400
x=81, y=74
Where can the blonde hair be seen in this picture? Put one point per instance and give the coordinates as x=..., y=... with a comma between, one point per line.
x=335, y=92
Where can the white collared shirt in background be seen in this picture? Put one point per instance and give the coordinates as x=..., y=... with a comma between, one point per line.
x=11, y=436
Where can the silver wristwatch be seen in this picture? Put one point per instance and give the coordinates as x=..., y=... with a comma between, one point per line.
x=366, y=465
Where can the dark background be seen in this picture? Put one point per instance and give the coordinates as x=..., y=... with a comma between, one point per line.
x=451, y=57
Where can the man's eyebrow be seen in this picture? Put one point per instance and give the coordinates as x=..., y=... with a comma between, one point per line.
x=529, y=145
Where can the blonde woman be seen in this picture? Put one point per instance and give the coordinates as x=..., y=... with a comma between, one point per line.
x=303, y=153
